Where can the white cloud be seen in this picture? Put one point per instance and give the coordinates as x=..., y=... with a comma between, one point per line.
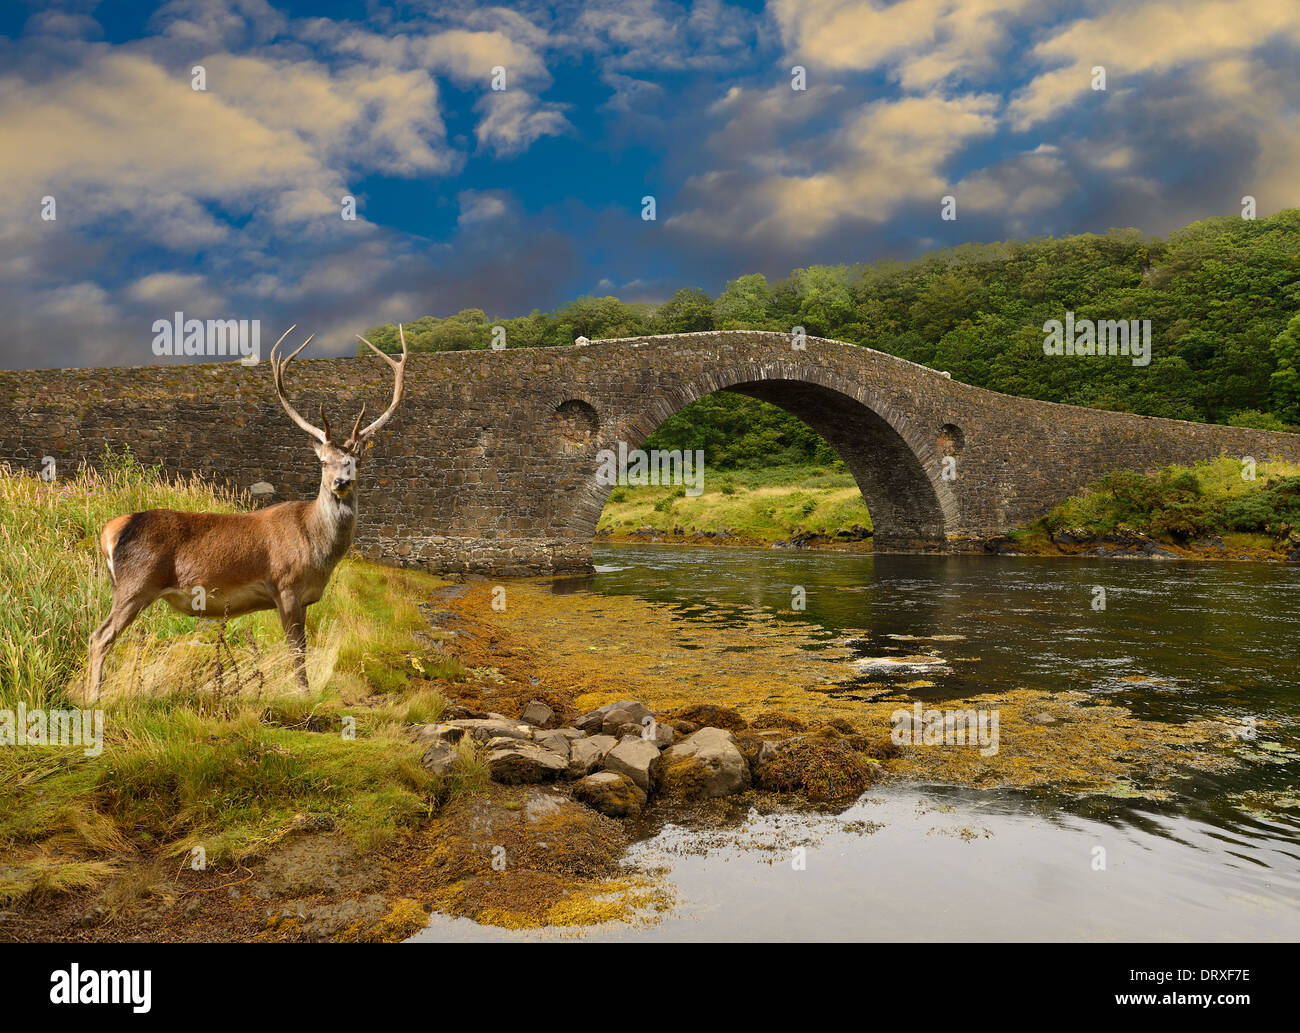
x=923, y=42
x=1135, y=40
x=513, y=120
x=187, y=292
x=890, y=154
x=481, y=206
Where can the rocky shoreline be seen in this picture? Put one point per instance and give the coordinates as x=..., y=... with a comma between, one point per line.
x=1130, y=543
x=618, y=756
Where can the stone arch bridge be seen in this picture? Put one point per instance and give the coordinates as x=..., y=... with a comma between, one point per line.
x=491, y=462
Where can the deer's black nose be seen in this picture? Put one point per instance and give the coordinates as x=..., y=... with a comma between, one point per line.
x=341, y=482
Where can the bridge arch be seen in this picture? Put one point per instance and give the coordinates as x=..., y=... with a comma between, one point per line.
x=896, y=463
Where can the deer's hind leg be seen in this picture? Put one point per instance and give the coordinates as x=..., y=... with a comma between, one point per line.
x=126, y=608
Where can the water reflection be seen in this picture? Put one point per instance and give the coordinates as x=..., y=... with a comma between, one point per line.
x=1218, y=860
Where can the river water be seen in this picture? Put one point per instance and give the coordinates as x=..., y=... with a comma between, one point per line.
x=1217, y=859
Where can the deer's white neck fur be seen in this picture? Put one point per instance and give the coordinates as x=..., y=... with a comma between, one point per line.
x=333, y=522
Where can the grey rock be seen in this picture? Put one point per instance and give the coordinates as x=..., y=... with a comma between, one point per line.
x=617, y=718
x=663, y=734
x=596, y=720
x=483, y=729
x=586, y=755
x=554, y=742
x=439, y=758
x=438, y=732
x=636, y=758
x=713, y=751
x=538, y=714
x=514, y=761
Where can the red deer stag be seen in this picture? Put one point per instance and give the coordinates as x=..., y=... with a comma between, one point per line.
x=229, y=564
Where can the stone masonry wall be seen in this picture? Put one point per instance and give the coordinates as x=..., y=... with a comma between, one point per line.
x=490, y=463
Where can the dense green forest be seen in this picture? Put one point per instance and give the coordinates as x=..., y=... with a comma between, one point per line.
x=1222, y=295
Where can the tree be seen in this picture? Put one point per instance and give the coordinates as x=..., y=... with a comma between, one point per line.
x=688, y=311
x=745, y=303
x=1285, y=381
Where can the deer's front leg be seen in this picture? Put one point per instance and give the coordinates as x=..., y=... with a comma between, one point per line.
x=126, y=607
x=293, y=618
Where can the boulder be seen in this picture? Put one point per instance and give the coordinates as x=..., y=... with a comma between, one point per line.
x=610, y=792
x=439, y=758
x=636, y=758
x=639, y=711
x=707, y=763
x=617, y=720
x=537, y=714
x=663, y=734
x=483, y=729
x=423, y=735
x=554, y=742
x=586, y=755
x=596, y=720
x=513, y=761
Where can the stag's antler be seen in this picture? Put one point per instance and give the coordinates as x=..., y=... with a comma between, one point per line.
x=399, y=384
x=277, y=374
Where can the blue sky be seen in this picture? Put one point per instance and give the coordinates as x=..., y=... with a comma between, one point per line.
x=225, y=203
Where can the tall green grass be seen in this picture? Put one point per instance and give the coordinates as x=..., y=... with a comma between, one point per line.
x=208, y=741
x=758, y=505
x=54, y=589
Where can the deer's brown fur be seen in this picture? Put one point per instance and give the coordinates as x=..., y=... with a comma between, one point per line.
x=227, y=564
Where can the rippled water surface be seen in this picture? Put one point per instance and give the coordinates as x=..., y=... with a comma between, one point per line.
x=916, y=862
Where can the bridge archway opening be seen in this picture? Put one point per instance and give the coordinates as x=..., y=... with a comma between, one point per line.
x=896, y=467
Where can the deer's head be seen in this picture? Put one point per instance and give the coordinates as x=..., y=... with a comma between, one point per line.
x=338, y=461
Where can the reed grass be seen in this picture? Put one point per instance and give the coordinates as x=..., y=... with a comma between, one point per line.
x=208, y=741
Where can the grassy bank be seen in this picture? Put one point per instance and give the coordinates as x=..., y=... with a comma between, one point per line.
x=748, y=506
x=1208, y=510
x=207, y=743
